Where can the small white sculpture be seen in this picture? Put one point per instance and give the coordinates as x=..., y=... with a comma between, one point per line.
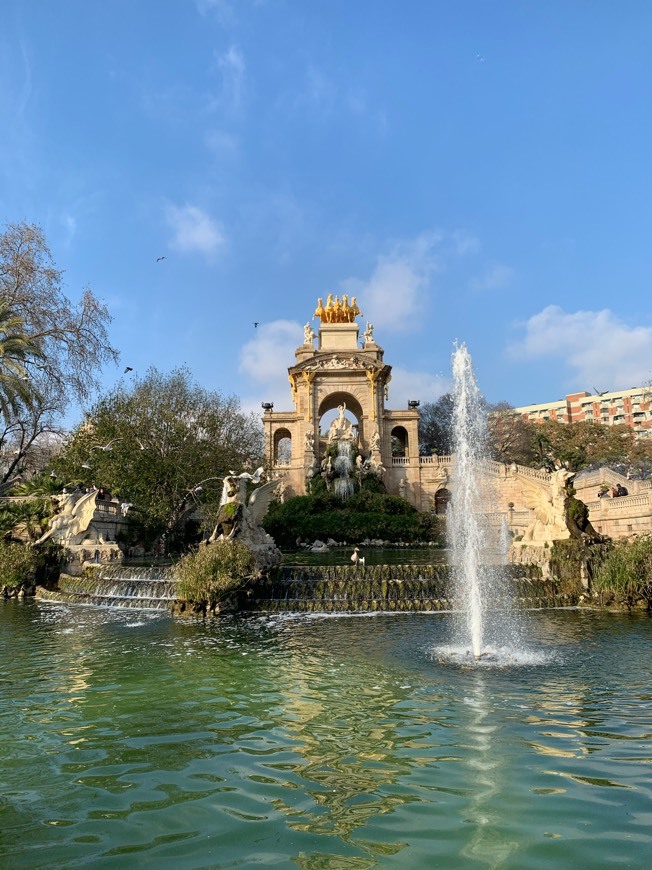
x=308, y=334
x=341, y=428
x=368, y=334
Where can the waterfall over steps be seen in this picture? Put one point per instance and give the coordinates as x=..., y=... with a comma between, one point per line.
x=297, y=589
x=151, y=588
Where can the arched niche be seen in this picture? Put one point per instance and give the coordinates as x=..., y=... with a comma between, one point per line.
x=442, y=497
x=282, y=447
x=329, y=410
x=400, y=442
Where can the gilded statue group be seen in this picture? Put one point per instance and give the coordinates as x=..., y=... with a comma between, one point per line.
x=336, y=311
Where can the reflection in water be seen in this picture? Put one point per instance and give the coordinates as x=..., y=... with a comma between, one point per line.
x=319, y=743
x=488, y=777
x=347, y=738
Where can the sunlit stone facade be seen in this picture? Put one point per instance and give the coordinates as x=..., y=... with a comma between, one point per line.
x=339, y=367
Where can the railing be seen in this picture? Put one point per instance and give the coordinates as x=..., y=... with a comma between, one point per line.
x=498, y=468
x=524, y=471
x=107, y=507
x=623, y=502
x=626, y=501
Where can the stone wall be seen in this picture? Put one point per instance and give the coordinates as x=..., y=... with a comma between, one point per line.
x=385, y=588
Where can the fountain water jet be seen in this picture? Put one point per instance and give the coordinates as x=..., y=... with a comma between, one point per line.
x=466, y=530
x=504, y=541
x=481, y=588
x=343, y=485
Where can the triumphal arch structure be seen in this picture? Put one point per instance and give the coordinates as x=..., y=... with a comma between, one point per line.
x=341, y=369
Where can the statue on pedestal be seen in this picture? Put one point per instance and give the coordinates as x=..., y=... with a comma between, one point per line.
x=341, y=429
x=241, y=519
x=308, y=334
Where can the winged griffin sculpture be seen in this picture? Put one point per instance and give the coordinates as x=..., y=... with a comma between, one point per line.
x=241, y=519
x=548, y=501
x=72, y=524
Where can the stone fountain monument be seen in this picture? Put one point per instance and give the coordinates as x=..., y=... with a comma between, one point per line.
x=86, y=527
x=344, y=372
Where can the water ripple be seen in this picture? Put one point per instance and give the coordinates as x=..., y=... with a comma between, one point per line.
x=320, y=742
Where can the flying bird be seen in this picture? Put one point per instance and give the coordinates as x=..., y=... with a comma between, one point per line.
x=255, y=324
x=105, y=447
x=158, y=259
x=603, y=393
x=128, y=369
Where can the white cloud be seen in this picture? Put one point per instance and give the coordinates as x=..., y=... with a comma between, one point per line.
x=604, y=351
x=395, y=294
x=265, y=359
x=69, y=223
x=406, y=385
x=231, y=65
x=494, y=278
x=465, y=243
x=220, y=8
x=220, y=143
x=194, y=230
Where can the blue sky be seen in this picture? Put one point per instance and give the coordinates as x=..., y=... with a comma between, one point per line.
x=475, y=171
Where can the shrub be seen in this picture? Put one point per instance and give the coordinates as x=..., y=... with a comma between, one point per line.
x=368, y=514
x=208, y=575
x=626, y=572
x=18, y=564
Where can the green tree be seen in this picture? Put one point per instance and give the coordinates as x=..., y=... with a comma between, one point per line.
x=15, y=349
x=509, y=436
x=577, y=445
x=436, y=426
x=160, y=443
x=66, y=344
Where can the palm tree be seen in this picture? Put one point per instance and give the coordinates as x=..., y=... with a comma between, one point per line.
x=16, y=349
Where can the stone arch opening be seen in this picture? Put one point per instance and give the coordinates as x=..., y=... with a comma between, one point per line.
x=282, y=447
x=442, y=497
x=329, y=410
x=399, y=439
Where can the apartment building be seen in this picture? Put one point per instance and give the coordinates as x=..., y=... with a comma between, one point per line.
x=631, y=408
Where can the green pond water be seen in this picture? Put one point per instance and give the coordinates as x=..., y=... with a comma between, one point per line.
x=372, y=556
x=134, y=740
